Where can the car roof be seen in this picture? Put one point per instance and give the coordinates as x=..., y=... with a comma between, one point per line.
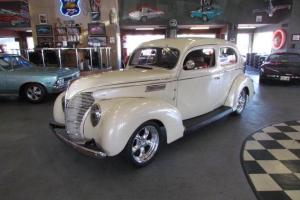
x=185, y=43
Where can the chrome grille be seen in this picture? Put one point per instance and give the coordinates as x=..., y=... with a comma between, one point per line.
x=75, y=111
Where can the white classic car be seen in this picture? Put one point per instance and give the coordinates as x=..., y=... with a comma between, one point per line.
x=144, y=13
x=170, y=87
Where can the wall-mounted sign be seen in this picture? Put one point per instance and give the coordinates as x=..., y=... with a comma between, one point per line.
x=259, y=19
x=70, y=8
x=279, y=39
x=296, y=37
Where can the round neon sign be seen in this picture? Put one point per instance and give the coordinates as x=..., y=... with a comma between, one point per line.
x=279, y=39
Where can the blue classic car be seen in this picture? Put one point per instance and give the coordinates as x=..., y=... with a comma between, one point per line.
x=19, y=76
x=206, y=15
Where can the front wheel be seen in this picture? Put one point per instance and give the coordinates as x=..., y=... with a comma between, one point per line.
x=144, y=144
x=242, y=101
x=34, y=93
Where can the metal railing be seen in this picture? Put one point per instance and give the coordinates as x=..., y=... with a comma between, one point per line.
x=103, y=55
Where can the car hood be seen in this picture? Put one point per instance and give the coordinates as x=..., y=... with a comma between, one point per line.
x=51, y=71
x=129, y=77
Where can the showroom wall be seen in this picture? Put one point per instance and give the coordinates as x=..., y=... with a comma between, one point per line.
x=52, y=9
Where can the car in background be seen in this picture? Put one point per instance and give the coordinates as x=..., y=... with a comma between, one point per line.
x=145, y=13
x=281, y=67
x=19, y=76
x=206, y=15
x=169, y=88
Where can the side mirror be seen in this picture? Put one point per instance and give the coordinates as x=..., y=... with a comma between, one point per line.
x=190, y=65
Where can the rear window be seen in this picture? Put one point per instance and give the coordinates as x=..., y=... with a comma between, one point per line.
x=284, y=58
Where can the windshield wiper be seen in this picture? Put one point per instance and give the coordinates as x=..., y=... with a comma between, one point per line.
x=143, y=67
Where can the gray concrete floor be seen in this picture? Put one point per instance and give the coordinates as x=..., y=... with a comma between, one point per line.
x=205, y=165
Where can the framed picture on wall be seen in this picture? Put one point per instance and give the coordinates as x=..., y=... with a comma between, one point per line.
x=44, y=30
x=296, y=37
x=97, y=41
x=96, y=29
x=43, y=18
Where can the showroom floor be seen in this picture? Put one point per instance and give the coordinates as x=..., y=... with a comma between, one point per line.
x=205, y=165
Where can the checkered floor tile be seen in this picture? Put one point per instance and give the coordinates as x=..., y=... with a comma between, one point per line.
x=271, y=161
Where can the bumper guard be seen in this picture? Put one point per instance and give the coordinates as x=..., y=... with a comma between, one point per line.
x=89, y=149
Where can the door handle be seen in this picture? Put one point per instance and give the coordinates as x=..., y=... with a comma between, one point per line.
x=217, y=78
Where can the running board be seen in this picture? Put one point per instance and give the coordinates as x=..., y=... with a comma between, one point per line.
x=203, y=120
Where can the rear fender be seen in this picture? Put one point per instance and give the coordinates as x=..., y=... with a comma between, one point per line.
x=241, y=82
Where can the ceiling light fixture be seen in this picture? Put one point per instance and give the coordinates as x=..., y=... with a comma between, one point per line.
x=200, y=28
x=246, y=27
x=144, y=29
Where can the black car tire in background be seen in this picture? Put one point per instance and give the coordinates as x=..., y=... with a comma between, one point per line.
x=34, y=93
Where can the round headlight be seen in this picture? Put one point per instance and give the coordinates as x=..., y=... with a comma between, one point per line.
x=95, y=114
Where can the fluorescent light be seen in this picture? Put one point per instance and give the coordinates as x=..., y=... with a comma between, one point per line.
x=246, y=27
x=144, y=29
x=200, y=28
x=29, y=31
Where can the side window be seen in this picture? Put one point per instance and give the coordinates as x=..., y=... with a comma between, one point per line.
x=5, y=63
x=200, y=59
x=228, y=56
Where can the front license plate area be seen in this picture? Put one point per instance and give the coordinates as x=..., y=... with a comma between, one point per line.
x=285, y=78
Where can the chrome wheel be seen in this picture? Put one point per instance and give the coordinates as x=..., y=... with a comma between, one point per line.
x=241, y=102
x=145, y=144
x=34, y=93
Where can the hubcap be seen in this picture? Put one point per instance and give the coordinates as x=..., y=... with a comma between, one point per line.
x=145, y=144
x=34, y=93
x=241, y=102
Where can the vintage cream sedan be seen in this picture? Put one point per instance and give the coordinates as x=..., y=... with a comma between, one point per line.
x=169, y=88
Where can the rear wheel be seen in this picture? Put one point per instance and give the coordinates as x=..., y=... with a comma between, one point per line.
x=144, y=144
x=34, y=93
x=242, y=101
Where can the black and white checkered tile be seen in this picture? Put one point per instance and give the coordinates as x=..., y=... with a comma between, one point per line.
x=271, y=161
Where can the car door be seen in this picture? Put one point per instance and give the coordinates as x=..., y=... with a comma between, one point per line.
x=5, y=69
x=231, y=64
x=199, y=83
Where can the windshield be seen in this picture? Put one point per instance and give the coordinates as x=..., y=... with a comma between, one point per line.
x=284, y=58
x=155, y=57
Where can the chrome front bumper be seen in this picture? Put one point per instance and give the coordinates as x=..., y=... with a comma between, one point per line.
x=89, y=149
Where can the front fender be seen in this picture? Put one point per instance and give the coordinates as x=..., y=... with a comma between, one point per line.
x=121, y=117
x=241, y=82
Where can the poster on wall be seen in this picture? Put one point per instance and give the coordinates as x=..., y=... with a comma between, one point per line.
x=273, y=7
x=197, y=12
x=207, y=11
x=14, y=14
x=95, y=6
x=70, y=8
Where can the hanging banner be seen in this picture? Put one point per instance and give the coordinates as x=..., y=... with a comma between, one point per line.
x=70, y=8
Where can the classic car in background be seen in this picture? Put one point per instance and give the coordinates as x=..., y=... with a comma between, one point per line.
x=19, y=76
x=170, y=87
x=281, y=67
x=206, y=15
x=145, y=13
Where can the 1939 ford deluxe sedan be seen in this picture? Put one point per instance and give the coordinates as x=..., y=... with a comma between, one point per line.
x=170, y=87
